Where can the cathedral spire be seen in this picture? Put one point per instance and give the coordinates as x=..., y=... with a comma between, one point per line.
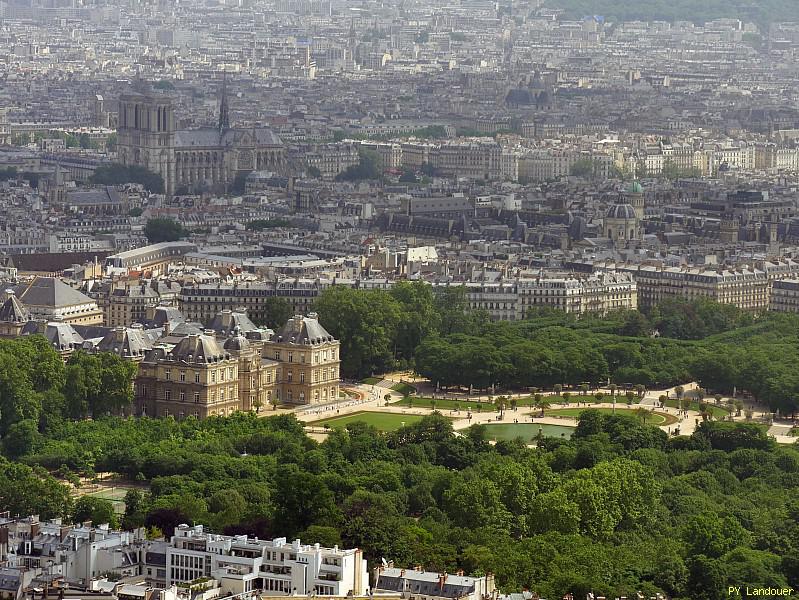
x=224, y=110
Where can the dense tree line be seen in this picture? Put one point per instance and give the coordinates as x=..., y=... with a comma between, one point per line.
x=163, y=229
x=278, y=311
x=261, y=224
x=380, y=330
x=369, y=167
x=433, y=331
x=37, y=389
x=116, y=173
x=619, y=508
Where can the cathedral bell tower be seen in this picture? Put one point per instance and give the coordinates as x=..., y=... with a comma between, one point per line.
x=146, y=132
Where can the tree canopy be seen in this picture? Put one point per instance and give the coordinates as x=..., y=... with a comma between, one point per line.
x=115, y=174
x=620, y=507
x=261, y=224
x=651, y=514
x=163, y=229
x=369, y=167
x=433, y=331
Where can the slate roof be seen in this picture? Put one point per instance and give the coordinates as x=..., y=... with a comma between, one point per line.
x=106, y=195
x=199, y=348
x=237, y=343
x=164, y=315
x=226, y=321
x=207, y=137
x=62, y=336
x=12, y=311
x=126, y=342
x=50, y=292
x=621, y=211
x=91, y=332
x=201, y=138
x=10, y=580
x=304, y=330
x=186, y=328
x=425, y=583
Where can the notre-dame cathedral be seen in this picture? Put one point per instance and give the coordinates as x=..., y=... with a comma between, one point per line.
x=192, y=159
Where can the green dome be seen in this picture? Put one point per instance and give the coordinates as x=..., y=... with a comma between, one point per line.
x=635, y=188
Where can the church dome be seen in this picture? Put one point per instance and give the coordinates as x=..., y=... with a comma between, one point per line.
x=237, y=343
x=635, y=188
x=620, y=211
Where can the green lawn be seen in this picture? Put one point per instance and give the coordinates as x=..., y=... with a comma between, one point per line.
x=654, y=418
x=446, y=404
x=476, y=406
x=383, y=421
x=403, y=388
x=371, y=380
x=717, y=411
x=526, y=431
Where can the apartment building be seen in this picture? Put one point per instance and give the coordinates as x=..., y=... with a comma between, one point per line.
x=82, y=554
x=784, y=296
x=479, y=159
x=498, y=298
x=537, y=165
x=126, y=304
x=598, y=293
x=547, y=164
x=332, y=159
x=201, y=302
x=242, y=564
x=416, y=153
x=745, y=288
x=390, y=154
x=511, y=300
x=75, y=553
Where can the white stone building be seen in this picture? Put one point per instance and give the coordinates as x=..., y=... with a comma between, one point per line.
x=242, y=564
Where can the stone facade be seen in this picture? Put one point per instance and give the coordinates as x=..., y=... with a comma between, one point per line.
x=309, y=361
x=195, y=159
x=205, y=374
x=202, y=378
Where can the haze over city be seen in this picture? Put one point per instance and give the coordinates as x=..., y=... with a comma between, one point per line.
x=413, y=300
